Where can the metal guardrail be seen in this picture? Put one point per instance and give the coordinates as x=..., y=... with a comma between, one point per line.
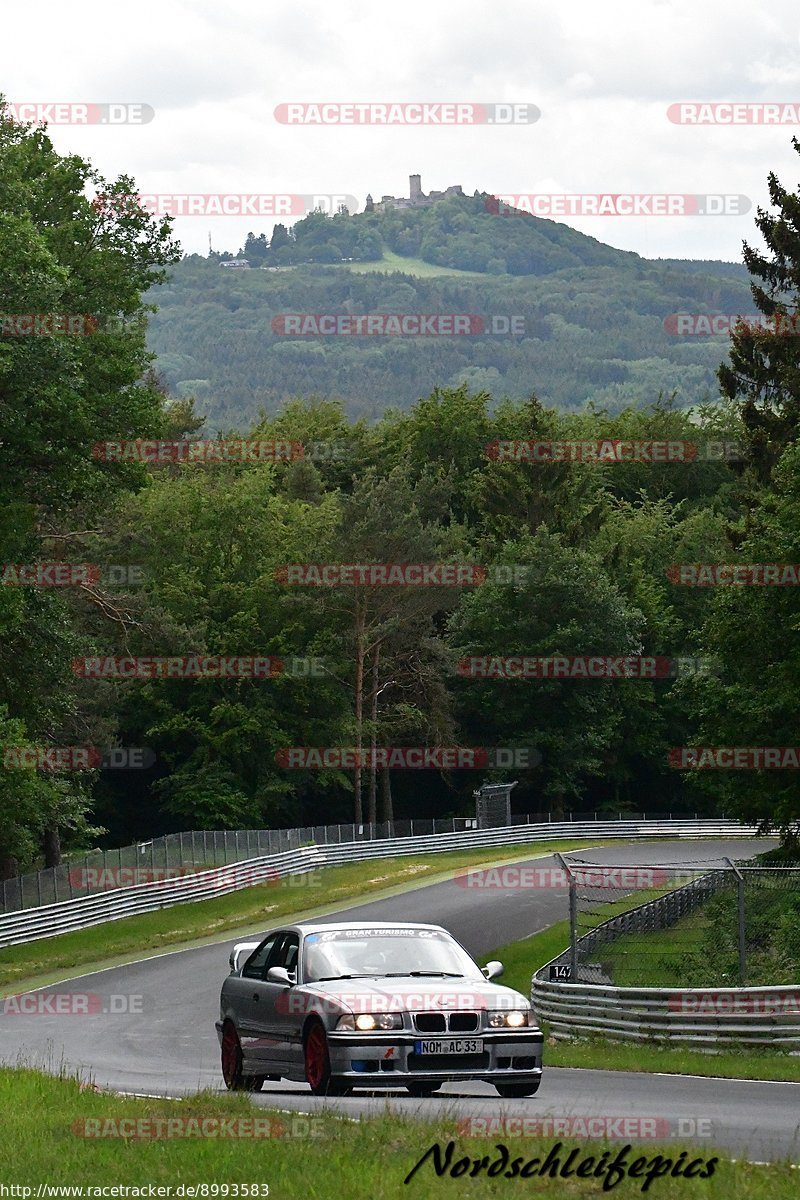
x=202, y=849
x=47, y=920
x=689, y=1016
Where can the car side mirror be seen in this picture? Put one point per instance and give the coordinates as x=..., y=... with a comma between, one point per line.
x=493, y=969
x=279, y=975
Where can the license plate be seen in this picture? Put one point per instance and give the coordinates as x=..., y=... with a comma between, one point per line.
x=449, y=1046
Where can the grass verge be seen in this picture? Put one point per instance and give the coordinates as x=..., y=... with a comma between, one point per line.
x=521, y=959
x=411, y=266
x=299, y=1157
x=241, y=913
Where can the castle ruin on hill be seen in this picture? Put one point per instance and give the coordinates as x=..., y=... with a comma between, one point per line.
x=416, y=199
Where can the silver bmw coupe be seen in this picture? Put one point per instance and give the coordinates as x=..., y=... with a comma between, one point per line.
x=376, y=1005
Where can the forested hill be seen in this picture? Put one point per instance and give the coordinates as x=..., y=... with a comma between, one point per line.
x=589, y=318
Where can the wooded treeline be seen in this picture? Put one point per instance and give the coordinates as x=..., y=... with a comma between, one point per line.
x=208, y=541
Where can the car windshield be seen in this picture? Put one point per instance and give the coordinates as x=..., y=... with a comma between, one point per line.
x=362, y=953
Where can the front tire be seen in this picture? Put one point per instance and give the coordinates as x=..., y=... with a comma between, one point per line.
x=515, y=1091
x=233, y=1063
x=318, y=1064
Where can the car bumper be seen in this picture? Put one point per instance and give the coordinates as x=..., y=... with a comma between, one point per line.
x=392, y=1058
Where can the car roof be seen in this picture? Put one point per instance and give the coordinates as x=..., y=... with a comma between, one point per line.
x=305, y=927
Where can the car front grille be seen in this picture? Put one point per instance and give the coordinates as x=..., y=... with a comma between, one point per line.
x=447, y=1062
x=444, y=1022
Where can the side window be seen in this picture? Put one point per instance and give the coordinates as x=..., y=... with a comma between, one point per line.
x=255, y=966
x=287, y=955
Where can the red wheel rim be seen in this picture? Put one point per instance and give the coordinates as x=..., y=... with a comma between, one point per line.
x=230, y=1049
x=316, y=1055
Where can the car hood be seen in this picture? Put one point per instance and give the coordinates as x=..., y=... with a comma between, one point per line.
x=408, y=992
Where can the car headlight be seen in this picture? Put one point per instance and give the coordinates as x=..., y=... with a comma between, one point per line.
x=365, y=1022
x=514, y=1019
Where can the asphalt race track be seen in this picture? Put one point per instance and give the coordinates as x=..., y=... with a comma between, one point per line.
x=169, y=1045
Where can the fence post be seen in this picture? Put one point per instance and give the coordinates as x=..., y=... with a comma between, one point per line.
x=741, y=922
x=573, y=929
x=573, y=918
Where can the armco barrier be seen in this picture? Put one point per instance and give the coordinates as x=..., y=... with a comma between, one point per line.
x=689, y=1016
x=203, y=849
x=28, y=925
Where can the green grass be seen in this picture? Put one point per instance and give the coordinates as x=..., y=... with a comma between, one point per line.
x=302, y=1158
x=522, y=958
x=542, y=946
x=668, y=958
x=701, y=949
x=411, y=266
x=241, y=913
x=599, y=1054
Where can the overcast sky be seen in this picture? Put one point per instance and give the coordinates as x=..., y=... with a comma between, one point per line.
x=603, y=76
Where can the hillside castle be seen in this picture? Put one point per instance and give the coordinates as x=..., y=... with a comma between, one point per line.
x=417, y=198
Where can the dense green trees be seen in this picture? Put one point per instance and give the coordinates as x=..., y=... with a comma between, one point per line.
x=61, y=255
x=579, y=558
x=590, y=333
x=594, y=543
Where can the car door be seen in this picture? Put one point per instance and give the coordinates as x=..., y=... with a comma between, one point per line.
x=245, y=996
x=282, y=1023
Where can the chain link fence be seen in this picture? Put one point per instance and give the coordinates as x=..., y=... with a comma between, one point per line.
x=182, y=853
x=720, y=924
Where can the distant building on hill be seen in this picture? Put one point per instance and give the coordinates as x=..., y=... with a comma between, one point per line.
x=241, y=263
x=416, y=198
